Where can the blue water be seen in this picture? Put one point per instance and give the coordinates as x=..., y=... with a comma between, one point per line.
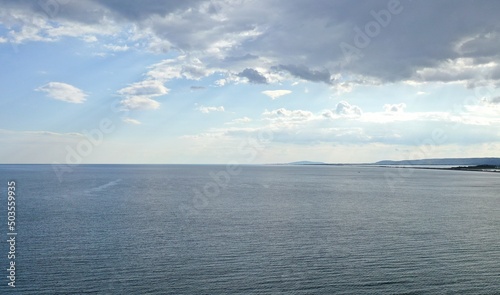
x=188, y=229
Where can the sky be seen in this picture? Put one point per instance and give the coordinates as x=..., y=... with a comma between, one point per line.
x=248, y=81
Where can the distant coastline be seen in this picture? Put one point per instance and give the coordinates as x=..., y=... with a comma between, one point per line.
x=477, y=168
x=457, y=164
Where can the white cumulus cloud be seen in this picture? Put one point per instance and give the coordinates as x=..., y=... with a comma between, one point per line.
x=64, y=92
x=273, y=94
x=145, y=88
x=140, y=103
x=139, y=95
x=207, y=110
x=344, y=108
x=283, y=115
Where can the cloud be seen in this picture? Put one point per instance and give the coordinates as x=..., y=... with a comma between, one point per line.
x=493, y=100
x=140, y=103
x=485, y=113
x=64, y=92
x=136, y=11
x=26, y=146
x=146, y=88
x=42, y=133
x=239, y=121
x=207, y=110
x=138, y=96
x=394, y=108
x=286, y=116
x=391, y=124
x=46, y=21
x=131, y=121
x=481, y=44
x=246, y=57
x=343, y=108
x=115, y=48
x=432, y=46
x=253, y=76
x=183, y=66
x=89, y=39
x=235, y=36
x=273, y=94
x=466, y=70
x=303, y=72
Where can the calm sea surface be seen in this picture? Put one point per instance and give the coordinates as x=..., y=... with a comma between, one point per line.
x=188, y=229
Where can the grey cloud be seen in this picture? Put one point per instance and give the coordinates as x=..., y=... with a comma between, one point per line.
x=305, y=73
x=299, y=37
x=483, y=45
x=137, y=10
x=245, y=57
x=84, y=11
x=253, y=76
x=494, y=100
x=394, y=108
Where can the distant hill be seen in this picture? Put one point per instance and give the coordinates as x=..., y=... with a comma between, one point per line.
x=446, y=161
x=305, y=163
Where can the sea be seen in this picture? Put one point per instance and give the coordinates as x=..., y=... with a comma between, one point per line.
x=249, y=229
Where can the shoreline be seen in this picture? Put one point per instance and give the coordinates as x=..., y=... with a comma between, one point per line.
x=476, y=168
x=459, y=168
